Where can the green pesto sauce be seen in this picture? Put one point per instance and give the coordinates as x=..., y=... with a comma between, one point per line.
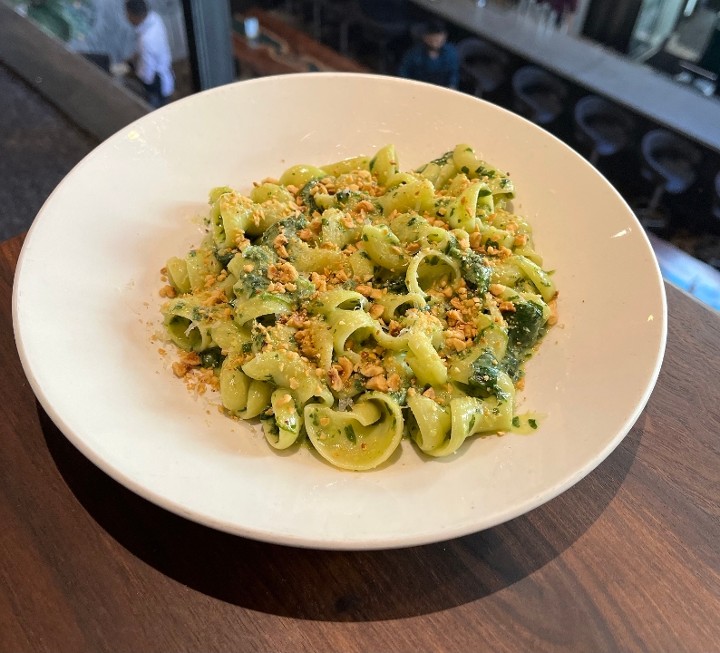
x=526, y=423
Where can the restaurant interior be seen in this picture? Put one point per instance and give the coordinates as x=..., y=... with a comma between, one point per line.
x=634, y=90
x=99, y=434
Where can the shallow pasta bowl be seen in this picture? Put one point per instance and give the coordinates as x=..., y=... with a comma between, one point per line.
x=86, y=309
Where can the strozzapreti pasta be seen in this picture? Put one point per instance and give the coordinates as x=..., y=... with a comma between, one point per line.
x=352, y=304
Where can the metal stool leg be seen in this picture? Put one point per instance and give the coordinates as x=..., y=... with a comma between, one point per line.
x=653, y=216
x=656, y=197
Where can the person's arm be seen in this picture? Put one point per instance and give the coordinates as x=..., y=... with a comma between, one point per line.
x=454, y=66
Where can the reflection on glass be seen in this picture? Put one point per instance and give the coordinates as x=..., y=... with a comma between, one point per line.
x=654, y=24
x=99, y=30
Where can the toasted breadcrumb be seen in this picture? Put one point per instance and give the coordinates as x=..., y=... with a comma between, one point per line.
x=552, y=320
x=279, y=244
x=282, y=272
x=378, y=383
x=376, y=310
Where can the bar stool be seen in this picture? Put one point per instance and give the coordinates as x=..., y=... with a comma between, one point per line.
x=603, y=125
x=670, y=162
x=539, y=95
x=482, y=64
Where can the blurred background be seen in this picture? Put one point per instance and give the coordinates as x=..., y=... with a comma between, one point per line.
x=632, y=85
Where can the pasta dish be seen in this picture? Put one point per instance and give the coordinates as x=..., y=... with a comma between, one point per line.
x=352, y=304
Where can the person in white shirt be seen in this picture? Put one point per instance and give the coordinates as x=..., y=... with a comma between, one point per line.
x=152, y=62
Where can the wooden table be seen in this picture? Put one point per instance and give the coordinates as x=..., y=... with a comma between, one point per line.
x=298, y=53
x=627, y=560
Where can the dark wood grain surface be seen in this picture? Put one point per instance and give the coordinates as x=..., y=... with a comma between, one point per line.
x=259, y=58
x=626, y=560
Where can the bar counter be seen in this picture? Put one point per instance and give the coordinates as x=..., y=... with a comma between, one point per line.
x=626, y=560
x=590, y=65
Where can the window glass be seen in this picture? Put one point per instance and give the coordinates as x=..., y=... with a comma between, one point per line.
x=100, y=31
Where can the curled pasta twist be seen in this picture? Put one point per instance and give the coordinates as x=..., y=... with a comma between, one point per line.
x=348, y=305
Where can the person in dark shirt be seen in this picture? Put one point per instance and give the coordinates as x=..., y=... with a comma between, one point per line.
x=433, y=59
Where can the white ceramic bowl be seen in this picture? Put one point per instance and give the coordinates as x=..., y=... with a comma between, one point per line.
x=86, y=304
